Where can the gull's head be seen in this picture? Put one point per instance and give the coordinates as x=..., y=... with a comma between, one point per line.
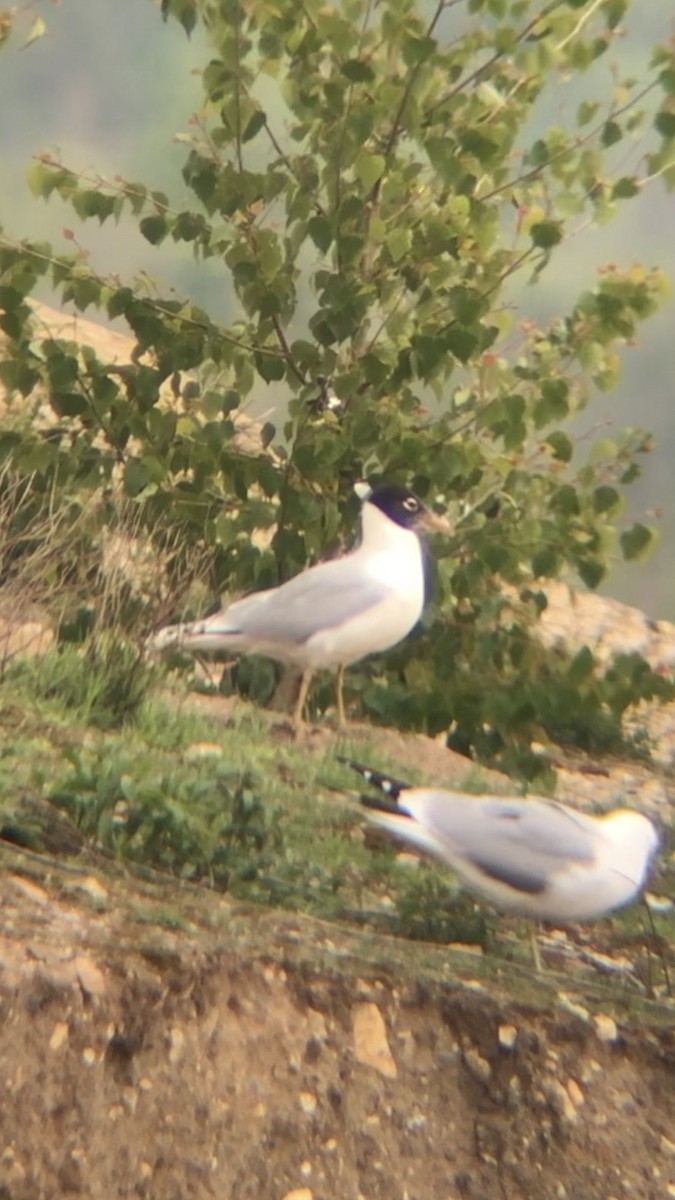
x=405, y=509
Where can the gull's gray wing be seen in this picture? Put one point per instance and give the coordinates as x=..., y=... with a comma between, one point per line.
x=323, y=597
x=522, y=843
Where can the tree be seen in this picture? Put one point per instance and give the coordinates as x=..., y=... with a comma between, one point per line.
x=369, y=176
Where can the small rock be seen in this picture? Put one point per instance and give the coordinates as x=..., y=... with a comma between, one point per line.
x=176, y=1044
x=302, y=1193
x=59, y=1036
x=570, y=1006
x=370, y=1039
x=415, y=1122
x=473, y=985
x=666, y=1146
x=605, y=1027
x=90, y=978
x=561, y=1101
x=507, y=1035
x=91, y=887
x=308, y=1102
x=89, y=1056
x=575, y=1093
x=32, y=890
x=477, y=1065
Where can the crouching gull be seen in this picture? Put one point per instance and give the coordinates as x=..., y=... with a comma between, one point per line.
x=335, y=612
x=528, y=856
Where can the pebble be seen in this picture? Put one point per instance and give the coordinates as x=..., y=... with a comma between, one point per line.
x=605, y=1028
x=59, y=1036
x=90, y=977
x=176, y=1044
x=370, y=1039
x=477, y=1065
x=92, y=888
x=32, y=890
x=507, y=1035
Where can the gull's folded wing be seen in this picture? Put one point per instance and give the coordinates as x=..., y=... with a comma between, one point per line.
x=522, y=843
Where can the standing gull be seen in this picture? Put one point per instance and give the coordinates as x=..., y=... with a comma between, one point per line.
x=335, y=612
x=532, y=857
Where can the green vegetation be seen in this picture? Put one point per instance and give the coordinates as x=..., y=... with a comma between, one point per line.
x=374, y=180
x=173, y=792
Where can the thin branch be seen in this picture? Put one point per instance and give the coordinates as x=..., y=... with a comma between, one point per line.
x=318, y=208
x=286, y=350
x=585, y=16
x=189, y=322
x=578, y=143
x=237, y=96
x=407, y=91
x=119, y=185
x=384, y=322
x=499, y=54
x=343, y=132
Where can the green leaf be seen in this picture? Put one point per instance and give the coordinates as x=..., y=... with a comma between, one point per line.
x=37, y=30
x=561, y=446
x=357, y=71
x=565, y=500
x=606, y=499
x=664, y=122
x=625, y=188
x=611, y=133
x=398, y=243
x=461, y=342
x=270, y=367
x=586, y=111
x=370, y=168
x=417, y=50
x=69, y=404
x=466, y=304
x=320, y=230
x=545, y=563
x=546, y=234
x=581, y=666
x=591, y=571
x=637, y=541
x=154, y=229
x=184, y=11
x=254, y=125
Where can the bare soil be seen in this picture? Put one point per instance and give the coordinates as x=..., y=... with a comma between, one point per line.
x=242, y=1055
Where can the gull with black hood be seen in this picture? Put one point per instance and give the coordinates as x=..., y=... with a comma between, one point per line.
x=336, y=612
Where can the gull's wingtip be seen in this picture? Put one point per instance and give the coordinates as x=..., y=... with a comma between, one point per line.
x=382, y=807
x=379, y=779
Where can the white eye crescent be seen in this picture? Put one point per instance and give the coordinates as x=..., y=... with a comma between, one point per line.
x=410, y=504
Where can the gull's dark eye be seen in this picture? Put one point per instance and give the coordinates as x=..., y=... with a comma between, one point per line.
x=411, y=505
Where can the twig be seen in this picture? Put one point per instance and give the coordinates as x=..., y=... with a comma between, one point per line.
x=499, y=54
x=281, y=337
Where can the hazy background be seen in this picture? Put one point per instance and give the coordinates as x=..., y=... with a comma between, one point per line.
x=109, y=86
